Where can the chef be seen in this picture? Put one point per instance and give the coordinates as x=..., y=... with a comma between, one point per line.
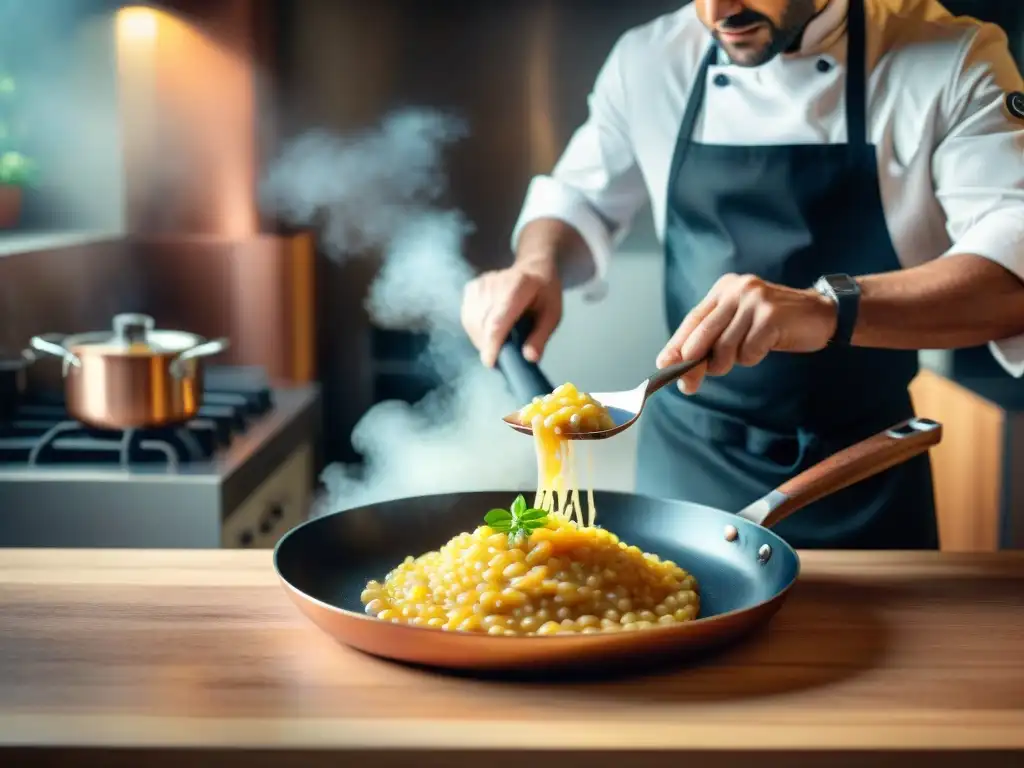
x=837, y=184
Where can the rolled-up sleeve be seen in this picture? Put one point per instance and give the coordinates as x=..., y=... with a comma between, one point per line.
x=596, y=187
x=979, y=167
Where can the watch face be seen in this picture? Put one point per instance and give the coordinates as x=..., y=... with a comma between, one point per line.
x=842, y=284
x=1015, y=104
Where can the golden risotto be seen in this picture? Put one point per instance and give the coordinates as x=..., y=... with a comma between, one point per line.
x=528, y=572
x=535, y=570
x=564, y=411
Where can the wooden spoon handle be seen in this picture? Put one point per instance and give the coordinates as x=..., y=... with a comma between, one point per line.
x=851, y=465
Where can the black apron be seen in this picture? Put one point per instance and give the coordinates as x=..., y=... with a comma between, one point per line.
x=788, y=214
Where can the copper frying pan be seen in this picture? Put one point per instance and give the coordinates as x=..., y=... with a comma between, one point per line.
x=743, y=569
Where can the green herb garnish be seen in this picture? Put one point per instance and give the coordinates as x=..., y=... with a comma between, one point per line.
x=518, y=520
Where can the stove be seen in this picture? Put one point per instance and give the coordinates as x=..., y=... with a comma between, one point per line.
x=240, y=474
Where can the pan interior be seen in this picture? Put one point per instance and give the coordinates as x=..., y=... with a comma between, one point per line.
x=331, y=558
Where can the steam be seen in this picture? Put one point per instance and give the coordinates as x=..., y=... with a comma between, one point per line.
x=379, y=193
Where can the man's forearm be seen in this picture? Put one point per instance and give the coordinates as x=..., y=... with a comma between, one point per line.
x=555, y=243
x=957, y=301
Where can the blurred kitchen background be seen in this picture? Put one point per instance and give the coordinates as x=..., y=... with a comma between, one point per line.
x=158, y=158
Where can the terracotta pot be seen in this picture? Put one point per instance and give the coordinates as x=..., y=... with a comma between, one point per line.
x=10, y=205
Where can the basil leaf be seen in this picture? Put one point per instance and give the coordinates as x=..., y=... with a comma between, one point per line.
x=497, y=516
x=531, y=514
x=502, y=527
x=518, y=506
x=533, y=525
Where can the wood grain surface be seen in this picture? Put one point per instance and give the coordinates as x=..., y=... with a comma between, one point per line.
x=873, y=654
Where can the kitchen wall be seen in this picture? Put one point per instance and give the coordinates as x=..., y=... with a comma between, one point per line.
x=518, y=72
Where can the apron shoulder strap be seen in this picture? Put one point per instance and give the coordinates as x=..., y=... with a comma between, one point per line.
x=856, y=77
x=693, y=107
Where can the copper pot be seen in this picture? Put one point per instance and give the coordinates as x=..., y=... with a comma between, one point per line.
x=134, y=377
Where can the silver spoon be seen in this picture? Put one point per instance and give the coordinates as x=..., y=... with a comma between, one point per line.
x=624, y=407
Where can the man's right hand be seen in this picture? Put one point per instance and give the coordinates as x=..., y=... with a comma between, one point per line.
x=493, y=302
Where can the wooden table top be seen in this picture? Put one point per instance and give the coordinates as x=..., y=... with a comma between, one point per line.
x=145, y=649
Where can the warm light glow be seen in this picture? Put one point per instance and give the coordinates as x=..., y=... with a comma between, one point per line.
x=137, y=22
x=187, y=101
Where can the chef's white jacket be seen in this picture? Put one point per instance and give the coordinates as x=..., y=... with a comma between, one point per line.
x=950, y=153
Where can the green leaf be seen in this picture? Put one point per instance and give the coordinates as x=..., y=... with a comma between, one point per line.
x=496, y=516
x=517, y=521
x=532, y=514
x=16, y=169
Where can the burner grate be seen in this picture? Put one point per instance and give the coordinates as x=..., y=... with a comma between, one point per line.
x=41, y=433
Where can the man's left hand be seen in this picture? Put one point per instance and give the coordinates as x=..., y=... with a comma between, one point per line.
x=741, y=320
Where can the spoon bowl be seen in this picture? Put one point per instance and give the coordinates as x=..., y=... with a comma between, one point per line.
x=624, y=407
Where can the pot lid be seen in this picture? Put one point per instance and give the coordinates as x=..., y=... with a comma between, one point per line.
x=135, y=334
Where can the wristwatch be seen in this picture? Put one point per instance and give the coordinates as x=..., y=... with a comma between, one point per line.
x=845, y=292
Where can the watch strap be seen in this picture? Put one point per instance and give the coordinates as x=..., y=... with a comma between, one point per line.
x=847, y=305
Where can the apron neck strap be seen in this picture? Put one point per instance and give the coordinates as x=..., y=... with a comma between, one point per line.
x=696, y=100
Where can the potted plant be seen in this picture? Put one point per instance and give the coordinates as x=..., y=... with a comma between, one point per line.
x=16, y=169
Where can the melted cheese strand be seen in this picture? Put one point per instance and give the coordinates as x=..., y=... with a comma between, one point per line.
x=591, y=507
x=574, y=493
x=552, y=418
x=539, y=448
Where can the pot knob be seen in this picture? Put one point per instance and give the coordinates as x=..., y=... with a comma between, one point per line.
x=131, y=328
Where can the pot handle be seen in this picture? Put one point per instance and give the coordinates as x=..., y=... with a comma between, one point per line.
x=851, y=465
x=206, y=349
x=70, y=359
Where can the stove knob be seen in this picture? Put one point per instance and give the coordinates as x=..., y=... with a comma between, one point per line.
x=274, y=514
x=245, y=539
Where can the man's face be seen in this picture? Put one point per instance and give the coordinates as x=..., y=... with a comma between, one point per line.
x=753, y=32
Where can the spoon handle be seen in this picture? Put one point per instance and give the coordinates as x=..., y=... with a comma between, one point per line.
x=670, y=373
x=525, y=379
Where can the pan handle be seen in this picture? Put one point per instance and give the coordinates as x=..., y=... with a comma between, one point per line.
x=851, y=465
x=525, y=379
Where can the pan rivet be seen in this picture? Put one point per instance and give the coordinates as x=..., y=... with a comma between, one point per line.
x=731, y=534
x=764, y=554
